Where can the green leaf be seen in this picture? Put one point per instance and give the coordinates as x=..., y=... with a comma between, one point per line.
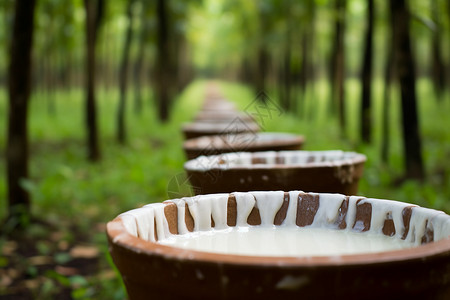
x=62, y=258
x=63, y=280
x=4, y=261
x=78, y=281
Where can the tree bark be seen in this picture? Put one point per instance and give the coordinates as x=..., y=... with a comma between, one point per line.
x=94, y=9
x=262, y=55
x=262, y=65
x=184, y=67
x=303, y=72
x=163, y=64
x=338, y=64
x=138, y=66
x=437, y=64
x=286, y=79
x=307, y=75
x=246, y=70
x=307, y=44
x=385, y=131
x=19, y=86
x=448, y=45
x=123, y=75
x=366, y=78
x=405, y=70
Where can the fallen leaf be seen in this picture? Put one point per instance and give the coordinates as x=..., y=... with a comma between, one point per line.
x=57, y=236
x=84, y=252
x=9, y=247
x=62, y=257
x=107, y=274
x=5, y=281
x=32, y=283
x=100, y=227
x=13, y=273
x=40, y=260
x=4, y=261
x=63, y=245
x=66, y=271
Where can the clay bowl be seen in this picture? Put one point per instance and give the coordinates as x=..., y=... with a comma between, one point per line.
x=313, y=171
x=221, y=116
x=218, y=105
x=152, y=269
x=248, y=142
x=204, y=128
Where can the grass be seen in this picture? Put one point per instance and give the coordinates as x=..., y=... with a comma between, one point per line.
x=70, y=192
x=381, y=180
x=79, y=197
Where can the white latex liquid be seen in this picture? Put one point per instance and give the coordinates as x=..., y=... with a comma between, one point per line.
x=284, y=241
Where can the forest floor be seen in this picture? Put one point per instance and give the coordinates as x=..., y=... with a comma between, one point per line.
x=64, y=253
x=51, y=262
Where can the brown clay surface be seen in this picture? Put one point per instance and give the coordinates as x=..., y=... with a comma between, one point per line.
x=153, y=270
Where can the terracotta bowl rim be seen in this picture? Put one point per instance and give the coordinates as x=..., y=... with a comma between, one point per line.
x=119, y=236
x=222, y=125
x=357, y=159
x=223, y=112
x=291, y=138
x=217, y=123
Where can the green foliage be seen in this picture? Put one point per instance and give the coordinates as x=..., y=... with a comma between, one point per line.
x=69, y=191
x=380, y=180
x=66, y=189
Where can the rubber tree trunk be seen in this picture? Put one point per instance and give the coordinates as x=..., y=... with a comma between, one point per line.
x=93, y=10
x=437, y=64
x=385, y=122
x=19, y=86
x=338, y=64
x=137, y=78
x=405, y=70
x=183, y=62
x=123, y=76
x=246, y=70
x=366, y=78
x=262, y=56
x=285, y=80
x=307, y=44
x=448, y=46
x=303, y=72
x=162, y=80
x=138, y=65
x=262, y=67
x=307, y=72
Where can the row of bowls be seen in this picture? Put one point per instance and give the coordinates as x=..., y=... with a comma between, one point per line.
x=217, y=168
x=227, y=153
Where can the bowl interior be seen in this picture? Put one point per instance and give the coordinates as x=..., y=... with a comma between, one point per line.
x=270, y=159
x=295, y=209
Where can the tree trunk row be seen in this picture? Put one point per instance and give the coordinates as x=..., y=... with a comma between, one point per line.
x=123, y=75
x=94, y=11
x=19, y=86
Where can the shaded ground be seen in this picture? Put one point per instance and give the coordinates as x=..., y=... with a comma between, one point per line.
x=49, y=262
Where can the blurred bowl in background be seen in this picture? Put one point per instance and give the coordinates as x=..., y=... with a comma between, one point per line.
x=218, y=104
x=312, y=171
x=198, y=129
x=221, y=116
x=248, y=142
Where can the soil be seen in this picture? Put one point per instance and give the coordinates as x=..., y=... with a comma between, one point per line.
x=45, y=261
